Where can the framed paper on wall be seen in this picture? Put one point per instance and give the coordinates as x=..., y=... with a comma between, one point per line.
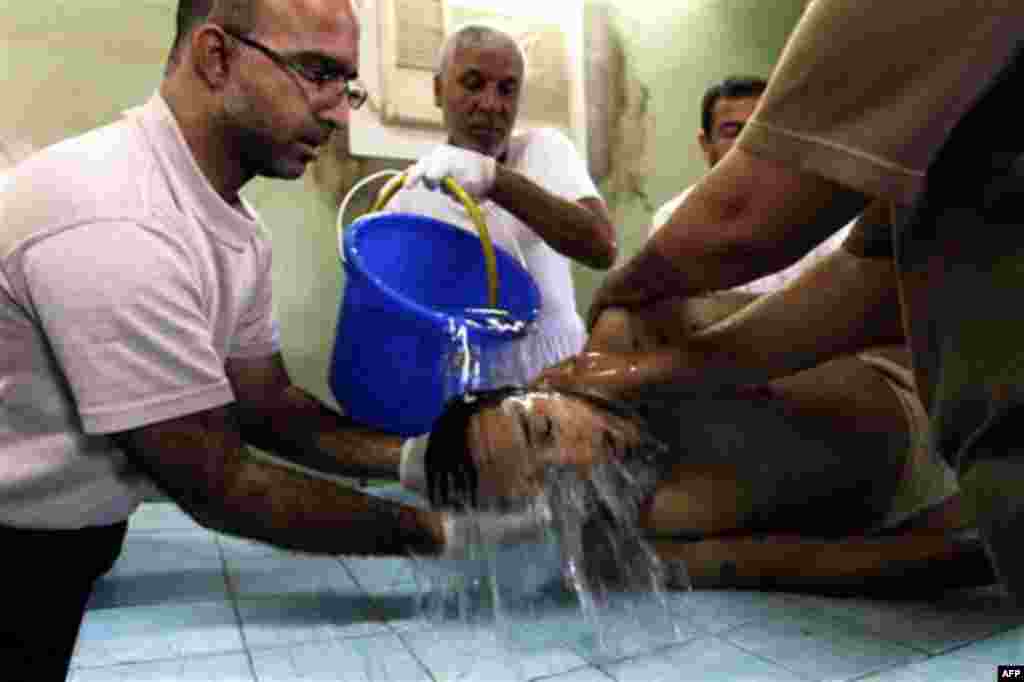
x=399, y=46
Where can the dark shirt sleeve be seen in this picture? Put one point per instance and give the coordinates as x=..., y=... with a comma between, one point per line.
x=870, y=238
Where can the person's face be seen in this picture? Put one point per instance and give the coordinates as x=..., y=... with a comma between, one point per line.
x=478, y=95
x=513, y=443
x=728, y=117
x=281, y=108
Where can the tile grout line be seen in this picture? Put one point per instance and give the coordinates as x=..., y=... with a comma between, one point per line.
x=391, y=628
x=760, y=657
x=877, y=633
x=233, y=601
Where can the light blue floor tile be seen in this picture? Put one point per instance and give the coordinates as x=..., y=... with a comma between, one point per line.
x=164, y=614
x=1002, y=649
x=150, y=633
x=620, y=626
x=933, y=627
x=163, y=567
x=220, y=668
x=383, y=576
x=703, y=660
x=243, y=548
x=452, y=651
x=818, y=647
x=278, y=575
x=554, y=627
x=714, y=611
x=633, y=624
x=587, y=674
x=362, y=659
x=948, y=668
x=287, y=621
x=158, y=516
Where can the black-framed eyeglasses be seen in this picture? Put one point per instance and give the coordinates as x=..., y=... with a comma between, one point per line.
x=316, y=69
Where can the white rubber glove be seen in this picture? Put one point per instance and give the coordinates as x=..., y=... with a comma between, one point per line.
x=463, y=532
x=472, y=171
x=412, y=473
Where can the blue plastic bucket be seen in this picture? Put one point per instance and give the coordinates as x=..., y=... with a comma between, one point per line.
x=413, y=287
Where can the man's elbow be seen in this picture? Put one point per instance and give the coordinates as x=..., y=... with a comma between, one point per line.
x=601, y=246
x=604, y=247
x=604, y=255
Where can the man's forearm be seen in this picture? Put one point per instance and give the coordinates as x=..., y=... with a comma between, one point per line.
x=843, y=304
x=200, y=461
x=300, y=428
x=747, y=218
x=321, y=516
x=571, y=229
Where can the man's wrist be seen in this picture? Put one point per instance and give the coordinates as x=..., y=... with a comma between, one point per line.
x=652, y=276
x=506, y=185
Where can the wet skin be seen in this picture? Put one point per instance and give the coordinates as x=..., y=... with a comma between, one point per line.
x=512, y=444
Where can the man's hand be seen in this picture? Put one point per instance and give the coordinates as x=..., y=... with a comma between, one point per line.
x=474, y=172
x=615, y=291
x=616, y=375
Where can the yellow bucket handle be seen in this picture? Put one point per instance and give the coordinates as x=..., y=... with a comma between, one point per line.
x=476, y=215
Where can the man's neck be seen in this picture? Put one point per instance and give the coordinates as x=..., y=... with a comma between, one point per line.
x=207, y=147
x=501, y=156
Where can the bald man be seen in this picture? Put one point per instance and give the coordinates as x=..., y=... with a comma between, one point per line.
x=139, y=343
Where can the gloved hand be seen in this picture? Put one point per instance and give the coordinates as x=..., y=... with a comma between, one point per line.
x=472, y=171
x=464, y=532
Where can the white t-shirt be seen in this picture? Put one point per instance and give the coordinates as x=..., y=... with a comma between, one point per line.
x=768, y=283
x=125, y=284
x=549, y=159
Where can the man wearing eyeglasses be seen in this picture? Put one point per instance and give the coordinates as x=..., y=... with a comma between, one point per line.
x=138, y=340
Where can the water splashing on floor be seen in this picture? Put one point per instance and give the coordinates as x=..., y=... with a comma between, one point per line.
x=591, y=584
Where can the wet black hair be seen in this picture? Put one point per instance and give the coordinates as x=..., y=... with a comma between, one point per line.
x=733, y=87
x=452, y=478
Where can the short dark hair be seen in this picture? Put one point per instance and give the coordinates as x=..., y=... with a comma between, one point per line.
x=190, y=14
x=730, y=88
x=234, y=14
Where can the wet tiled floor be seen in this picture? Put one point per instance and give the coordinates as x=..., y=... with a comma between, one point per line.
x=186, y=604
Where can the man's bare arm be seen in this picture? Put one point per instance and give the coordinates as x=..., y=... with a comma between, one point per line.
x=748, y=217
x=200, y=461
x=581, y=230
x=277, y=416
x=842, y=304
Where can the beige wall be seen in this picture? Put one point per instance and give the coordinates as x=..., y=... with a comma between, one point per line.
x=69, y=65
x=677, y=49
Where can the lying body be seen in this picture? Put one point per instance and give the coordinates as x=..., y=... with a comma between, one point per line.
x=818, y=481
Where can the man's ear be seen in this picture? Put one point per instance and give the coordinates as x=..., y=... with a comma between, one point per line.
x=438, y=90
x=705, y=146
x=211, y=55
